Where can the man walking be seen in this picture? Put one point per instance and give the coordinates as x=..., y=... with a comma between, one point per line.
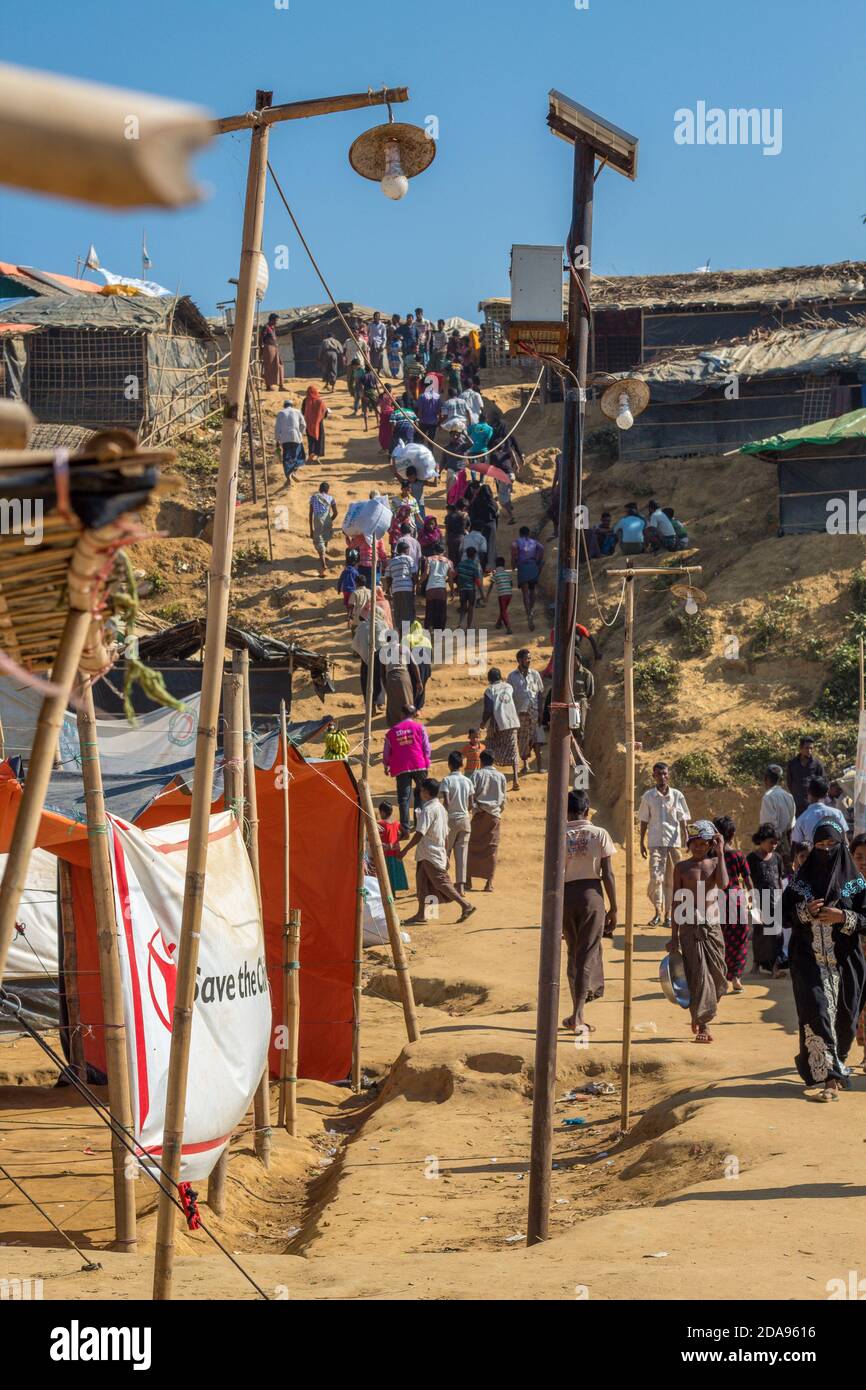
x=664, y=817
x=289, y=430
x=528, y=690
x=432, y=883
x=800, y=771
x=583, y=689
x=406, y=757
x=456, y=792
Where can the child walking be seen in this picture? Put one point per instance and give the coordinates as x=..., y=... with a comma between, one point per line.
x=389, y=832
x=503, y=583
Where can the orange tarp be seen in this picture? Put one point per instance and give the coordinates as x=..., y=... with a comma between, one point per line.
x=323, y=875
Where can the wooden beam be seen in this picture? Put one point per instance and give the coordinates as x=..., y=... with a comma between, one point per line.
x=319, y=106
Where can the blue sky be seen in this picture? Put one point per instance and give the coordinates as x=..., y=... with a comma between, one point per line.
x=483, y=70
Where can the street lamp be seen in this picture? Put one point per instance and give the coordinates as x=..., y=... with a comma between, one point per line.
x=391, y=155
x=624, y=400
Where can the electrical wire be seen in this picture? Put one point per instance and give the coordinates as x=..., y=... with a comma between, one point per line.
x=464, y=458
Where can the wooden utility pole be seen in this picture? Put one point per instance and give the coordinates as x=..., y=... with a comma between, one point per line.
x=629, y=575
x=559, y=740
x=259, y=122
x=861, y=675
x=262, y=1101
x=108, y=938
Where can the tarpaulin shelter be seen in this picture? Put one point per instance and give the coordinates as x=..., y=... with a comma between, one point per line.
x=822, y=472
x=103, y=360
x=323, y=873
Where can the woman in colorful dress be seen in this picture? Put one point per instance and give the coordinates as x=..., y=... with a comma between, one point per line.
x=737, y=920
x=825, y=906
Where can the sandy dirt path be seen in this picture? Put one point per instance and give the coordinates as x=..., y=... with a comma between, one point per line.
x=728, y=1185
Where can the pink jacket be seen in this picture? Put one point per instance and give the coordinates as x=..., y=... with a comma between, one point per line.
x=407, y=748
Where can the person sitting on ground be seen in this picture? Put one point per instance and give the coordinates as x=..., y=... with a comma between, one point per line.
x=696, y=931
x=429, y=841
x=682, y=534
x=629, y=530
x=660, y=532
x=604, y=535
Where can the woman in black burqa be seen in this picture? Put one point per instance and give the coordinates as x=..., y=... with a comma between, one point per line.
x=825, y=906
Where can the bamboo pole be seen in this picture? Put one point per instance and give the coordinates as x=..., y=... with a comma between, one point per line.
x=262, y=1101
x=284, y=763
x=107, y=937
x=261, y=427
x=404, y=979
x=628, y=962
x=70, y=971
x=292, y=987
x=861, y=676
x=358, y=962
x=39, y=767
x=217, y=618
x=233, y=799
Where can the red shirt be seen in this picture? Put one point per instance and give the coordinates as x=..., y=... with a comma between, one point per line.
x=389, y=832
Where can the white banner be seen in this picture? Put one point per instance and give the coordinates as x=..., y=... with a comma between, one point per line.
x=33, y=953
x=232, y=1015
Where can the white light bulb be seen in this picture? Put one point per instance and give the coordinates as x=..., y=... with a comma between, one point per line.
x=395, y=183
x=691, y=606
x=624, y=418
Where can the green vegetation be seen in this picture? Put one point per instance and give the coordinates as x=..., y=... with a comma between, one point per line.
x=656, y=682
x=755, y=748
x=604, y=443
x=697, y=769
x=248, y=557
x=772, y=628
x=198, y=456
x=157, y=581
x=695, y=630
x=858, y=591
x=175, y=612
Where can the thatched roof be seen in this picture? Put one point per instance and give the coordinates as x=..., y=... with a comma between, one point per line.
x=783, y=286
x=137, y=313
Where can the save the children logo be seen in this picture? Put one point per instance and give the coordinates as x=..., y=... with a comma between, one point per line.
x=181, y=728
x=162, y=977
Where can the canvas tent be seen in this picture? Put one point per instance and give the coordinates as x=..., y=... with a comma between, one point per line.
x=821, y=469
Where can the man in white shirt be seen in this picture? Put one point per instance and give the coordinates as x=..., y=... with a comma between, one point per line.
x=660, y=533
x=528, y=690
x=377, y=335
x=779, y=809
x=432, y=884
x=289, y=430
x=663, y=817
x=456, y=792
x=474, y=402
